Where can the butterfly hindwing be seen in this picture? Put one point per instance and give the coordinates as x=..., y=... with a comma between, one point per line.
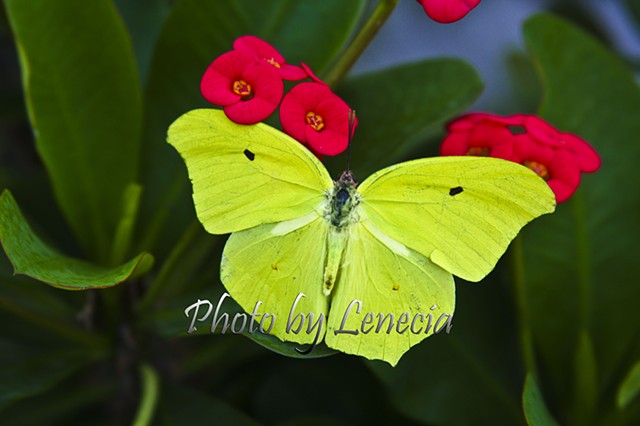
x=460, y=212
x=245, y=176
x=273, y=264
x=404, y=292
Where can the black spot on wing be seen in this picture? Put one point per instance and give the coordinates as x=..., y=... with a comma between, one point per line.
x=250, y=155
x=455, y=191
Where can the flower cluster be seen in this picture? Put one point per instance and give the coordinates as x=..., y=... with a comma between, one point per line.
x=248, y=83
x=557, y=157
x=447, y=11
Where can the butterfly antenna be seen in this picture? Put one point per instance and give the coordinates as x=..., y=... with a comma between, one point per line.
x=352, y=125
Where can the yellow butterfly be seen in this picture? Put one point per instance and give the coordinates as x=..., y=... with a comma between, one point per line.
x=369, y=267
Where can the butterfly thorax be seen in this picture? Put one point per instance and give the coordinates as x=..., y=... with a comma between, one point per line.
x=341, y=211
x=343, y=200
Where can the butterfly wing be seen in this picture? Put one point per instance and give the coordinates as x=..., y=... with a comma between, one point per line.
x=244, y=176
x=273, y=264
x=397, y=286
x=460, y=212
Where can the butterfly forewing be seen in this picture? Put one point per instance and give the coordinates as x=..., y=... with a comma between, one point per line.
x=244, y=176
x=460, y=212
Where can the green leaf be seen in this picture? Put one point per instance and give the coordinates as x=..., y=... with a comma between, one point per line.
x=84, y=104
x=399, y=107
x=580, y=262
x=535, y=409
x=30, y=256
x=196, y=32
x=586, y=386
x=629, y=388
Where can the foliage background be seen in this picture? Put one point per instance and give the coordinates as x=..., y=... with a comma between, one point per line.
x=88, y=91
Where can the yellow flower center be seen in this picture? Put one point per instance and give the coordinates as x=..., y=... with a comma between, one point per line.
x=478, y=151
x=540, y=169
x=315, y=121
x=243, y=89
x=272, y=62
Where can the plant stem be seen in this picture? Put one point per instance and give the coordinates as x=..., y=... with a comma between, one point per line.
x=149, y=399
x=378, y=17
x=526, y=338
x=158, y=284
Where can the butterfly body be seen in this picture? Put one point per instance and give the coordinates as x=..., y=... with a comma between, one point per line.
x=391, y=244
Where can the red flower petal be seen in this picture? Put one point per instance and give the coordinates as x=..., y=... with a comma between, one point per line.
x=455, y=144
x=330, y=137
x=258, y=47
x=217, y=81
x=565, y=176
x=261, y=49
x=310, y=73
x=587, y=156
x=447, y=11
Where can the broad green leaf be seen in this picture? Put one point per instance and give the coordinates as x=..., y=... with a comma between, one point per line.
x=84, y=103
x=535, y=409
x=181, y=405
x=196, y=32
x=630, y=387
x=586, y=384
x=29, y=370
x=398, y=107
x=144, y=20
x=581, y=262
x=469, y=376
x=30, y=256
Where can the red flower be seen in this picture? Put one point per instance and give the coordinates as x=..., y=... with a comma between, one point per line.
x=546, y=134
x=482, y=135
x=447, y=11
x=261, y=49
x=557, y=167
x=314, y=115
x=555, y=156
x=249, y=90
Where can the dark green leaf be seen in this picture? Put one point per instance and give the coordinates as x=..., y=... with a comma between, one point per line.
x=61, y=405
x=30, y=256
x=27, y=370
x=196, y=32
x=181, y=405
x=581, y=262
x=84, y=103
x=533, y=404
x=144, y=19
x=398, y=107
